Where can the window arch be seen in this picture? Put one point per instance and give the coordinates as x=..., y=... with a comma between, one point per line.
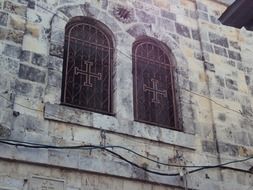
x=87, y=66
x=154, y=93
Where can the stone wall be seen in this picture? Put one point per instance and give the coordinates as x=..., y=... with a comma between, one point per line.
x=213, y=79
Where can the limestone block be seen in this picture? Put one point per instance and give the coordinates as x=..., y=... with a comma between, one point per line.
x=137, y=30
x=15, y=36
x=15, y=8
x=17, y=22
x=4, y=18
x=54, y=79
x=52, y=95
x=220, y=51
x=168, y=15
x=56, y=50
x=39, y=60
x=5, y=131
x=12, y=51
x=35, y=45
x=110, y=22
x=162, y=4
x=70, y=114
x=234, y=55
x=55, y=63
x=34, y=30
x=37, y=182
x=9, y=65
x=72, y=11
x=23, y=88
x=183, y=30
x=63, y=158
x=217, y=39
x=31, y=73
x=166, y=24
x=145, y=18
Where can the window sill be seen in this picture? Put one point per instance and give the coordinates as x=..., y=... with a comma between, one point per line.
x=109, y=123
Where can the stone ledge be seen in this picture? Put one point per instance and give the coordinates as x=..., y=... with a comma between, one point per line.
x=60, y=159
x=109, y=123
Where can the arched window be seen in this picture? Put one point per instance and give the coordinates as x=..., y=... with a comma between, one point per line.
x=87, y=70
x=154, y=95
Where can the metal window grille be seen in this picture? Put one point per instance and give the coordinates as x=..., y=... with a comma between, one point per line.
x=154, y=94
x=87, y=70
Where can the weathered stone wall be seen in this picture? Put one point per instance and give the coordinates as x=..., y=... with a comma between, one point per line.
x=213, y=79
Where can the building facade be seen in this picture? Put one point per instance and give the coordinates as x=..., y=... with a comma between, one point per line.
x=112, y=94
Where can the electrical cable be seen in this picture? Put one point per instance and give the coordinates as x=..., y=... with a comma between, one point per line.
x=87, y=147
x=106, y=148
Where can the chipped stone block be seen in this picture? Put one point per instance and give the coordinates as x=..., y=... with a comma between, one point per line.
x=31, y=4
x=54, y=79
x=231, y=84
x=241, y=138
x=218, y=92
x=31, y=73
x=55, y=63
x=15, y=8
x=145, y=17
x=220, y=80
x=183, y=30
x=234, y=55
x=39, y=60
x=235, y=45
x=25, y=56
x=15, y=36
x=214, y=20
x=35, y=45
x=168, y=15
x=3, y=33
x=56, y=50
x=209, y=66
x=3, y=18
x=201, y=6
x=104, y=4
x=217, y=39
x=4, y=131
x=23, y=88
x=12, y=51
x=195, y=34
x=220, y=51
x=137, y=30
x=229, y=149
x=209, y=146
x=166, y=24
x=9, y=65
x=203, y=16
x=207, y=47
x=17, y=23
x=162, y=4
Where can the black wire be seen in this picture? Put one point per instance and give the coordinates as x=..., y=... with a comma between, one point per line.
x=105, y=148
x=87, y=147
x=137, y=166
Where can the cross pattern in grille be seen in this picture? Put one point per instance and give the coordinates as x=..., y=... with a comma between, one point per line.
x=88, y=74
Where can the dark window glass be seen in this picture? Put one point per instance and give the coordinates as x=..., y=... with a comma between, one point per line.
x=154, y=95
x=87, y=73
